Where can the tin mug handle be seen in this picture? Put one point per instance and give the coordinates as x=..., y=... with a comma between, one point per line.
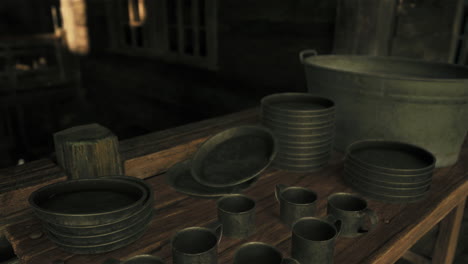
x=374, y=220
x=217, y=228
x=306, y=53
x=336, y=222
x=289, y=261
x=279, y=188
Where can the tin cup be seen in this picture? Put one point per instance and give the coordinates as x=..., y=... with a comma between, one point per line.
x=139, y=259
x=313, y=239
x=260, y=253
x=352, y=210
x=295, y=203
x=196, y=245
x=237, y=215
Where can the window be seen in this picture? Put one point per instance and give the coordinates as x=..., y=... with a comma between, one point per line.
x=181, y=31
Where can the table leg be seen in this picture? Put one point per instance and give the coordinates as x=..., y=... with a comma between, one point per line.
x=447, y=239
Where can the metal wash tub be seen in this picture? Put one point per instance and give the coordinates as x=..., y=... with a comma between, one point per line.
x=422, y=103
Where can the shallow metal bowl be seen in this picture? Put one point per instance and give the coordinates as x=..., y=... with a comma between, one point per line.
x=87, y=202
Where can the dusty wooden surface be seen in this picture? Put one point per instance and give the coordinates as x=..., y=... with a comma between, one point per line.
x=143, y=157
x=400, y=224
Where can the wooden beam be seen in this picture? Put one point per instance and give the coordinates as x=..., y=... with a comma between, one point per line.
x=447, y=239
x=415, y=258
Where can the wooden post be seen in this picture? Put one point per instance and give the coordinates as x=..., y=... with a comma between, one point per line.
x=447, y=240
x=88, y=151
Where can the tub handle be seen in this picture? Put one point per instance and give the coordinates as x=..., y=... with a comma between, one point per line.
x=307, y=53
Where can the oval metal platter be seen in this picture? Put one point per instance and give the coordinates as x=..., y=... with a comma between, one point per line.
x=233, y=156
x=87, y=202
x=180, y=178
x=110, y=227
x=391, y=157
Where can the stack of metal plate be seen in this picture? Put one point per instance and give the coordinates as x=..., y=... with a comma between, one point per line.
x=389, y=171
x=90, y=216
x=304, y=126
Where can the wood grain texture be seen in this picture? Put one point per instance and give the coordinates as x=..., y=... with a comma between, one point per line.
x=416, y=258
x=447, y=239
x=144, y=156
x=88, y=151
x=400, y=226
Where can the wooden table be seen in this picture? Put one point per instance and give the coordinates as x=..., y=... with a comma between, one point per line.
x=149, y=157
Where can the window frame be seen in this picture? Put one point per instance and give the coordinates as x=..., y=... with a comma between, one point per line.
x=156, y=33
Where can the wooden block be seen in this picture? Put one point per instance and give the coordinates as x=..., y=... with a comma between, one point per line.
x=88, y=151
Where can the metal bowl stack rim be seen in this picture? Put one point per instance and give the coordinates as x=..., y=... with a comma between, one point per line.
x=97, y=218
x=366, y=173
x=362, y=144
x=268, y=103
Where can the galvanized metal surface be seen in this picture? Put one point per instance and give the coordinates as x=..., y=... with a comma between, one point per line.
x=180, y=178
x=87, y=202
x=295, y=203
x=352, y=210
x=233, y=156
x=237, y=215
x=398, y=99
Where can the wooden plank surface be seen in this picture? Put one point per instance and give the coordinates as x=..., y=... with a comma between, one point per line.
x=144, y=156
x=400, y=224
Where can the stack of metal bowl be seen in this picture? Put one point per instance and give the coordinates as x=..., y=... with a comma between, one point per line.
x=389, y=171
x=91, y=216
x=304, y=126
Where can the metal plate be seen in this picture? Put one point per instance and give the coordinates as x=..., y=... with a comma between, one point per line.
x=83, y=240
x=87, y=202
x=299, y=168
x=288, y=123
x=179, y=178
x=297, y=120
x=299, y=104
x=391, y=157
x=102, y=248
x=303, y=132
x=303, y=162
x=111, y=227
x=385, y=177
x=305, y=141
x=304, y=150
x=234, y=156
x=379, y=189
x=386, y=198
